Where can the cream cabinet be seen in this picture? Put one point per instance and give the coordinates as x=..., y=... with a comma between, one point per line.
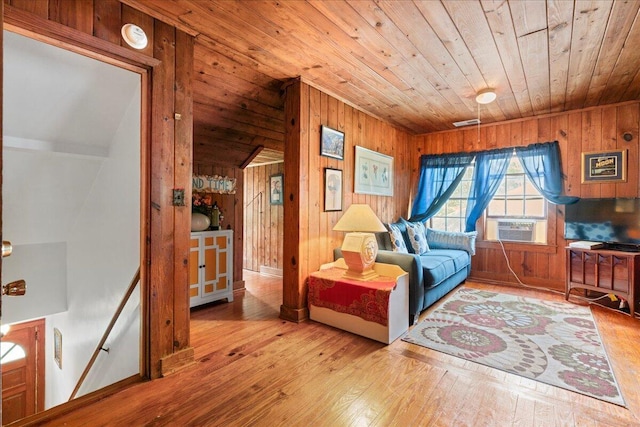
x=211, y=266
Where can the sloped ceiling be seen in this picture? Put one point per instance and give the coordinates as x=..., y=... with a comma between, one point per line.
x=61, y=101
x=60, y=113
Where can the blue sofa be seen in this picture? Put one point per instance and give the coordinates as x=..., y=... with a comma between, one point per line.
x=431, y=275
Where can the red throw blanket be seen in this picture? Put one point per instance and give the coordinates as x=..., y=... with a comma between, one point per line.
x=368, y=300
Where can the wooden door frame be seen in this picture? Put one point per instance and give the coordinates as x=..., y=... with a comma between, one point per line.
x=75, y=41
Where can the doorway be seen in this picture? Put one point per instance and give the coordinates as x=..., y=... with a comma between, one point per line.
x=71, y=194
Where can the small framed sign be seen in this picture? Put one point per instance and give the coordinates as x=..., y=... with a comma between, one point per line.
x=604, y=166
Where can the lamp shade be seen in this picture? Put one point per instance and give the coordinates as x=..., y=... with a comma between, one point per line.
x=359, y=218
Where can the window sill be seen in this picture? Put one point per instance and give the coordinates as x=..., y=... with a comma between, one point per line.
x=518, y=246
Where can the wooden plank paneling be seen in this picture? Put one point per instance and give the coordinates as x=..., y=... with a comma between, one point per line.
x=183, y=149
x=628, y=122
x=600, y=128
x=162, y=215
x=310, y=240
x=107, y=20
x=264, y=228
x=39, y=8
x=295, y=209
x=76, y=14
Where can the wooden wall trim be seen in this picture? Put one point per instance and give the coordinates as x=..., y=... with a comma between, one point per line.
x=183, y=151
x=295, y=209
x=162, y=213
x=30, y=25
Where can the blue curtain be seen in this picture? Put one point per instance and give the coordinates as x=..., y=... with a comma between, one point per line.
x=488, y=172
x=439, y=177
x=541, y=163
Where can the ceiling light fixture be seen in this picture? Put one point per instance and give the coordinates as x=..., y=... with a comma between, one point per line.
x=134, y=36
x=486, y=96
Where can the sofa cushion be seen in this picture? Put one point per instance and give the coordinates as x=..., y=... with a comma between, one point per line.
x=417, y=237
x=440, y=264
x=451, y=240
x=397, y=239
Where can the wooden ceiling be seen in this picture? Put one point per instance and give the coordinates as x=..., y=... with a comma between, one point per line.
x=415, y=64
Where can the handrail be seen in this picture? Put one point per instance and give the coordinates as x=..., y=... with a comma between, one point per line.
x=116, y=315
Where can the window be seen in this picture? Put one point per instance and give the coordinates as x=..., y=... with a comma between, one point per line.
x=452, y=215
x=517, y=212
x=516, y=197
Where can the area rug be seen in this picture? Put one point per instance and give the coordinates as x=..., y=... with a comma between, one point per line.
x=555, y=343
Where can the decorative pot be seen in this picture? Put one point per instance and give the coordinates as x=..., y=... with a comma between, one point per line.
x=199, y=221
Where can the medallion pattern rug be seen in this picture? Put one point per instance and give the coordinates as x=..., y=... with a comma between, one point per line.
x=556, y=343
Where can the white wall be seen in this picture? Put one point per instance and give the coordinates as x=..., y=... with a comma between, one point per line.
x=42, y=192
x=44, y=268
x=103, y=253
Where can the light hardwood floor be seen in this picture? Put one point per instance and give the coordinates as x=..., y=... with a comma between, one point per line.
x=254, y=369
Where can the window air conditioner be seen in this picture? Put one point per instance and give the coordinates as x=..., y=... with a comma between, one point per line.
x=516, y=230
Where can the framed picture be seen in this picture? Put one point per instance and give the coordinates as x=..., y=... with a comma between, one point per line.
x=276, y=187
x=57, y=347
x=331, y=143
x=332, y=190
x=604, y=166
x=373, y=173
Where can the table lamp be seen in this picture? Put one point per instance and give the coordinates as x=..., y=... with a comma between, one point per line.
x=359, y=248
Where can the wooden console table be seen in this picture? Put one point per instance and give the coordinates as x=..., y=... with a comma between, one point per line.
x=606, y=271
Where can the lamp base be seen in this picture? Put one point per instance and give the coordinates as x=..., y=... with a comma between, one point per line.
x=359, y=251
x=361, y=275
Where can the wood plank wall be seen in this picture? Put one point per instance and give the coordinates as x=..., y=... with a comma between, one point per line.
x=309, y=239
x=94, y=26
x=593, y=129
x=263, y=222
x=231, y=206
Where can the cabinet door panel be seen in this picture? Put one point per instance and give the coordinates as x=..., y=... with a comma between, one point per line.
x=621, y=278
x=210, y=264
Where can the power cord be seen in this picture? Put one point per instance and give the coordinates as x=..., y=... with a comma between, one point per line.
x=521, y=283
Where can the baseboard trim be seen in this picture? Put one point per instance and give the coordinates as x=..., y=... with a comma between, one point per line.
x=296, y=315
x=271, y=271
x=177, y=361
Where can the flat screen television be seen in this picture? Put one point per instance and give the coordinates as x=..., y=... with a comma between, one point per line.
x=612, y=221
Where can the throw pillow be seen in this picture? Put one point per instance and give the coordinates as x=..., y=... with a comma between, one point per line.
x=401, y=225
x=417, y=237
x=452, y=240
x=397, y=239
